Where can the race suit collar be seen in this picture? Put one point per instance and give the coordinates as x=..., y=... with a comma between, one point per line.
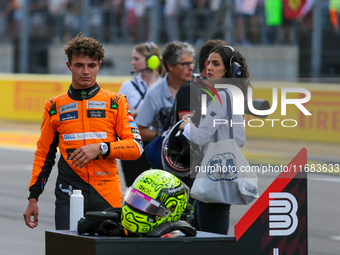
x=81, y=94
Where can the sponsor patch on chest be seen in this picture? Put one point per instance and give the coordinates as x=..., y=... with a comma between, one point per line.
x=69, y=116
x=96, y=105
x=96, y=113
x=69, y=107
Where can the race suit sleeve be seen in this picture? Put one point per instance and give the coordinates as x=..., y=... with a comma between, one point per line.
x=45, y=154
x=130, y=145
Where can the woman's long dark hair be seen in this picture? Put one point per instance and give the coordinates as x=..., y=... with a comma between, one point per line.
x=242, y=81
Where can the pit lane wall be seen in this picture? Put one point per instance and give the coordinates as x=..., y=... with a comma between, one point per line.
x=23, y=97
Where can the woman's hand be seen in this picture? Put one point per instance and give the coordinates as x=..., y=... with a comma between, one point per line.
x=184, y=123
x=183, y=115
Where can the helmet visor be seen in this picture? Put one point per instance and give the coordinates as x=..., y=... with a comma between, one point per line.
x=145, y=203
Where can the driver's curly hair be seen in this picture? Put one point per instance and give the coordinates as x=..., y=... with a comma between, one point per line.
x=84, y=46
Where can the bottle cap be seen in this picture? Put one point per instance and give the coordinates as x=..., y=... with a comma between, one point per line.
x=76, y=191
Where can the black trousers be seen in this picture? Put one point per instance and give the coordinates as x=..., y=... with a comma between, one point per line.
x=211, y=217
x=133, y=168
x=63, y=190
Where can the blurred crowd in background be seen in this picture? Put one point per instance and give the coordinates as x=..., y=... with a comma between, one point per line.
x=161, y=21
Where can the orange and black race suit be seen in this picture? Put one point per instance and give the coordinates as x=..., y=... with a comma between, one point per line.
x=72, y=120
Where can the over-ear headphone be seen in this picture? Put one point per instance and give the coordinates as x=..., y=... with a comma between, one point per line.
x=152, y=62
x=235, y=69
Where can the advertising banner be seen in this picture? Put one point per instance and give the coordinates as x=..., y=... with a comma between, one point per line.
x=23, y=96
x=288, y=121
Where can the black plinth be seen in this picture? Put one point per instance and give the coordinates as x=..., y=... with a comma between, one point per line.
x=64, y=242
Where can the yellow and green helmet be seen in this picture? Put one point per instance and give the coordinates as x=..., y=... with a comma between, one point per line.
x=155, y=197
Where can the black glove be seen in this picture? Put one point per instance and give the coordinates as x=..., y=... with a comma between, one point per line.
x=93, y=220
x=110, y=228
x=88, y=227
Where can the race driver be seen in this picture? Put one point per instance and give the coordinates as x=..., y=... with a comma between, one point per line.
x=92, y=127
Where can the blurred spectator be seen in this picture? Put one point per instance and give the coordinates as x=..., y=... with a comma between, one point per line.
x=13, y=18
x=113, y=14
x=108, y=9
x=306, y=25
x=95, y=19
x=243, y=9
x=128, y=21
x=140, y=11
x=57, y=11
x=334, y=9
x=257, y=28
x=171, y=11
x=131, y=19
x=73, y=19
x=38, y=11
x=287, y=31
x=201, y=18
x=3, y=5
x=273, y=20
x=135, y=11
x=198, y=6
x=292, y=15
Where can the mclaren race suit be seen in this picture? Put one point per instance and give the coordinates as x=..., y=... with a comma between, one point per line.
x=72, y=120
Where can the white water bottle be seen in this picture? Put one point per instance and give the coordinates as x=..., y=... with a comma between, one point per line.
x=76, y=209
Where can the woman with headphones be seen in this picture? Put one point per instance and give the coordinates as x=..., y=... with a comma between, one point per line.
x=147, y=63
x=223, y=62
